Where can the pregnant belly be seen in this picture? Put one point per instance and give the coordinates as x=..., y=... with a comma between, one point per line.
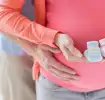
x=91, y=74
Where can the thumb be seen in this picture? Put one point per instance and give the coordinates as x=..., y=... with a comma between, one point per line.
x=74, y=50
x=51, y=49
x=77, y=52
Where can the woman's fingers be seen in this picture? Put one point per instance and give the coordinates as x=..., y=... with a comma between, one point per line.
x=74, y=51
x=63, y=75
x=63, y=68
x=69, y=55
x=66, y=53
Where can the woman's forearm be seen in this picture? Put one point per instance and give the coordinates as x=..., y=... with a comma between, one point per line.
x=13, y=22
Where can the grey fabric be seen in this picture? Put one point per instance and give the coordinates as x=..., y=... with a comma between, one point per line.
x=47, y=90
x=7, y=45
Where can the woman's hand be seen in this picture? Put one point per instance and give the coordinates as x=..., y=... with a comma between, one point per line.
x=66, y=45
x=42, y=53
x=49, y=63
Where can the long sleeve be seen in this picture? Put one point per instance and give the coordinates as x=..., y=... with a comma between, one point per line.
x=12, y=22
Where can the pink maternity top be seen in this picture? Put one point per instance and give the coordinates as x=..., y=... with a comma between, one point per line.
x=83, y=20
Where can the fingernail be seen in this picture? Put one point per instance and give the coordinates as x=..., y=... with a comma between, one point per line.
x=79, y=55
x=73, y=81
x=77, y=78
x=73, y=72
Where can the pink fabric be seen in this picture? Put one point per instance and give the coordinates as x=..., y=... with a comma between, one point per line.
x=83, y=20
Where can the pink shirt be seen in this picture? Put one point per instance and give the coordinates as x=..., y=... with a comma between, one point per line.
x=83, y=20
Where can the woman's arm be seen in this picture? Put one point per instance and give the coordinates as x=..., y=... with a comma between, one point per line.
x=12, y=22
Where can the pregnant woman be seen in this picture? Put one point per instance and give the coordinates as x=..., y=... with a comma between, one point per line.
x=82, y=21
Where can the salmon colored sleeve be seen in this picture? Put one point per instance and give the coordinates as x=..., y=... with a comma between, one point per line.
x=13, y=22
